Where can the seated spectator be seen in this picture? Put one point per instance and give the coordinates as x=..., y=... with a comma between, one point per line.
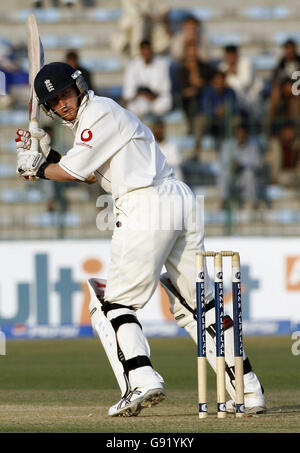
x=72, y=58
x=11, y=73
x=284, y=105
x=141, y=20
x=238, y=72
x=68, y=3
x=283, y=156
x=147, y=88
x=289, y=63
x=42, y=4
x=191, y=32
x=241, y=168
x=218, y=110
x=194, y=75
x=170, y=150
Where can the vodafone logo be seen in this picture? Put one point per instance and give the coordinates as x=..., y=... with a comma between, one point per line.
x=86, y=135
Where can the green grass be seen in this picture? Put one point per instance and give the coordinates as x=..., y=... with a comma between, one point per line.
x=68, y=386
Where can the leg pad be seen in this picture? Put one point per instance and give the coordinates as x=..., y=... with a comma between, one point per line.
x=136, y=362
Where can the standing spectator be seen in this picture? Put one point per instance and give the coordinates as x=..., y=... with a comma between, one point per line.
x=283, y=106
x=72, y=58
x=218, y=110
x=146, y=19
x=289, y=63
x=170, y=150
x=191, y=32
x=283, y=156
x=194, y=75
x=146, y=87
x=238, y=72
x=241, y=164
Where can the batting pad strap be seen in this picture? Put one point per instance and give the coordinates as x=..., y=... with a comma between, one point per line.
x=136, y=362
x=247, y=366
x=210, y=305
x=166, y=282
x=123, y=319
x=107, y=306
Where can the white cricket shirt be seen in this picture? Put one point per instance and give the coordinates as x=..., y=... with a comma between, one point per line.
x=116, y=146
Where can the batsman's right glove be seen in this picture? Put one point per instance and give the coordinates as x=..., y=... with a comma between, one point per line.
x=29, y=162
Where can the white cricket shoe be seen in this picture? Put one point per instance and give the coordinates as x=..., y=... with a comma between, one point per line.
x=136, y=400
x=254, y=404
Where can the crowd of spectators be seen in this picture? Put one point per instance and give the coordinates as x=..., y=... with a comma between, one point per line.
x=255, y=130
x=253, y=123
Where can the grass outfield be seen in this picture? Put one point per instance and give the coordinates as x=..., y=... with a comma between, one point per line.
x=68, y=386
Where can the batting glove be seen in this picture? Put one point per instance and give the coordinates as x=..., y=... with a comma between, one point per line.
x=28, y=162
x=43, y=139
x=24, y=141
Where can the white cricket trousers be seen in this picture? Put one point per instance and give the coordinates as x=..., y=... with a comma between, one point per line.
x=155, y=226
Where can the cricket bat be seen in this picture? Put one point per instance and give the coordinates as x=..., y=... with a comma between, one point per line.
x=36, y=62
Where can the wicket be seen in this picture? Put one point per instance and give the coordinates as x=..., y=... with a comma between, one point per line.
x=220, y=344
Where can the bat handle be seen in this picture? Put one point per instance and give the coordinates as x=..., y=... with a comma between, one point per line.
x=33, y=125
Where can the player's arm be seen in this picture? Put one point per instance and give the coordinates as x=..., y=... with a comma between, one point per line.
x=34, y=164
x=56, y=173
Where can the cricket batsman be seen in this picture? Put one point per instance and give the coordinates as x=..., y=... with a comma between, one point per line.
x=156, y=225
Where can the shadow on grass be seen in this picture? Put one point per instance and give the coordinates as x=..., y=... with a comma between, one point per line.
x=284, y=410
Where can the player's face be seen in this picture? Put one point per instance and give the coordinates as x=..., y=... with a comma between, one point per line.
x=65, y=104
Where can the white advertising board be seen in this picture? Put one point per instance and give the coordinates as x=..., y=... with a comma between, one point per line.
x=43, y=291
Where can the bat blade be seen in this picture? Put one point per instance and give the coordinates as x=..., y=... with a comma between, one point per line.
x=36, y=62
